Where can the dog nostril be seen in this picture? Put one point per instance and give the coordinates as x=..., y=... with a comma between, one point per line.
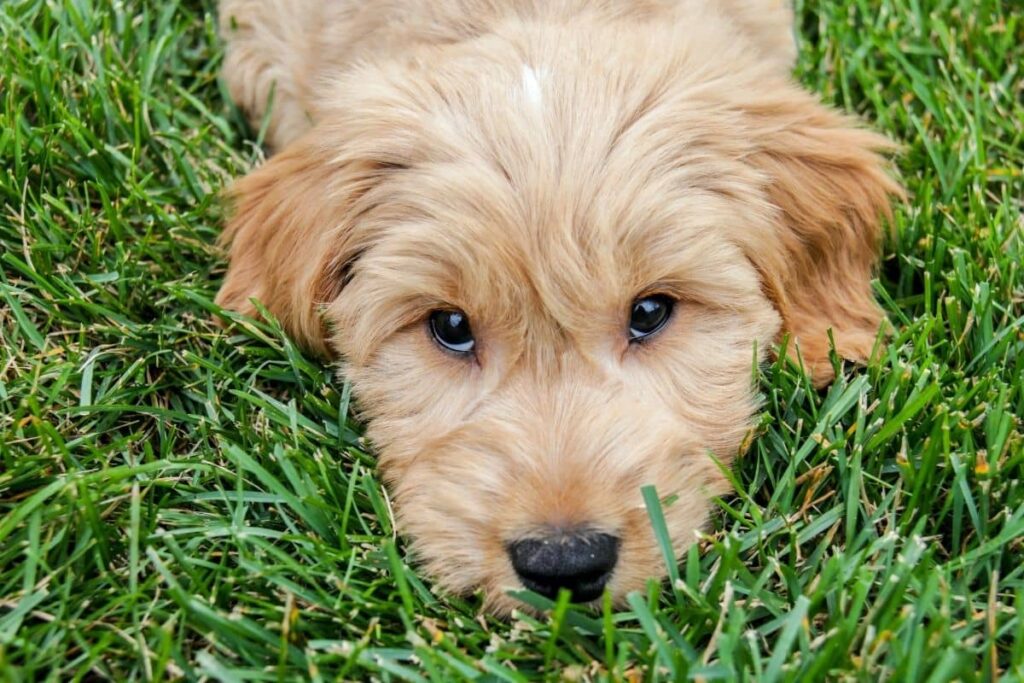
x=579, y=562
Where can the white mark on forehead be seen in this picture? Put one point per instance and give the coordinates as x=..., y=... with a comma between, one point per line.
x=532, y=85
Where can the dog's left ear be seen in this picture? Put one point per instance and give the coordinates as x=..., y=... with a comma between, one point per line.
x=831, y=192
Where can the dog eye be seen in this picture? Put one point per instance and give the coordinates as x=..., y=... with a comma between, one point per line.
x=649, y=315
x=451, y=330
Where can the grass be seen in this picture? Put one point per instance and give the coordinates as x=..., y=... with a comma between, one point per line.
x=179, y=501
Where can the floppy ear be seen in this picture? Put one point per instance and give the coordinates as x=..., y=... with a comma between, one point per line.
x=292, y=234
x=831, y=193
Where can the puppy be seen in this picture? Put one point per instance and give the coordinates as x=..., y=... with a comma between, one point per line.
x=547, y=240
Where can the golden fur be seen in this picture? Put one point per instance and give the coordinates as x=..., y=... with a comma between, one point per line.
x=540, y=164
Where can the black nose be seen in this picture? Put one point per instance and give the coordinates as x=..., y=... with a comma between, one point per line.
x=580, y=562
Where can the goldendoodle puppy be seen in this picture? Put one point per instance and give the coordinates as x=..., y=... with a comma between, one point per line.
x=547, y=241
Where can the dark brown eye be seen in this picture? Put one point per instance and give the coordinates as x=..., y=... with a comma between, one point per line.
x=649, y=315
x=451, y=330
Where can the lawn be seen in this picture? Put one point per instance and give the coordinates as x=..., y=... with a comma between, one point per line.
x=181, y=501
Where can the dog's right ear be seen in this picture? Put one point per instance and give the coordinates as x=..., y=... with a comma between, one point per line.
x=292, y=234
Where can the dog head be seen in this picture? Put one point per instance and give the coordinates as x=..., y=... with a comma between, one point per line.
x=549, y=274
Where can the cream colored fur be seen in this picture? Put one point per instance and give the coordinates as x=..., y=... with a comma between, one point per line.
x=540, y=164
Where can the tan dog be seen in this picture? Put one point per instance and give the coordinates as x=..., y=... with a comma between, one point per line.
x=547, y=240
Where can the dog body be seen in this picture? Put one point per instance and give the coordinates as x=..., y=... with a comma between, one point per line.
x=541, y=171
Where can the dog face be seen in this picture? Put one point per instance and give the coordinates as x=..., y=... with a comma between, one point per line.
x=550, y=279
